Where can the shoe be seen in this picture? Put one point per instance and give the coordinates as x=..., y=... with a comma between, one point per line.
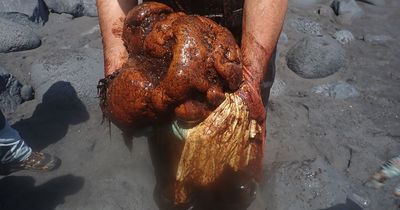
x=397, y=191
x=37, y=161
x=389, y=169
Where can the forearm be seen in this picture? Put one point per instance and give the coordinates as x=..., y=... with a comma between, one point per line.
x=262, y=25
x=111, y=16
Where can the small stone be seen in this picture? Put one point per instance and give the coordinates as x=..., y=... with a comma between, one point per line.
x=9, y=92
x=16, y=37
x=307, y=26
x=325, y=11
x=27, y=92
x=316, y=57
x=343, y=36
x=337, y=90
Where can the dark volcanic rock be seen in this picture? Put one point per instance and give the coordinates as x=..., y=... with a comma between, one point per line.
x=76, y=8
x=16, y=37
x=316, y=57
x=10, y=92
x=35, y=9
x=19, y=18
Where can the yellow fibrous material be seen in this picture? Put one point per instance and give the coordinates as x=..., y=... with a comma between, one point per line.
x=223, y=139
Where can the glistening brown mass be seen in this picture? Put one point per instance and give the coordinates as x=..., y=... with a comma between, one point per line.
x=179, y=66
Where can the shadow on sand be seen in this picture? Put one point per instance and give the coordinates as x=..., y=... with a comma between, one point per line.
x=49, y=123
x=20, y=193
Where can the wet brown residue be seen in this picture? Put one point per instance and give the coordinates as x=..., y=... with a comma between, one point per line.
x=255, y=58
x=179, y=66
x=117, y=27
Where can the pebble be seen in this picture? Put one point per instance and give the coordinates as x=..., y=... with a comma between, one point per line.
x=325, y=11
x=343, y=36
x=27, y=92
x=336, y=90
x=10, y=92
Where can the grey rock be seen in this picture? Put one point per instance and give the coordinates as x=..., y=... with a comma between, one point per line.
x=10, y=92
x=82, y=68
x=374, y=2
x=377, y=39
x=337, y=90
x=343, y=36
x=345, y=7
x=316, y=57
x=346, y=10
x=309, y=184
x=27, y=92
x=16, y=37
x=76, y=8
x=307, y=26
x=90, y=8
x=60, y=18
x=19, y=18
x=325, y=11
x=35, y=9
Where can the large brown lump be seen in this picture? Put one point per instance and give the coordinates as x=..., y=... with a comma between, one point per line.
x=179, y=66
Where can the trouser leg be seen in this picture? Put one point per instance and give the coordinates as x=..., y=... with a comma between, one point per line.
x=12, y=146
